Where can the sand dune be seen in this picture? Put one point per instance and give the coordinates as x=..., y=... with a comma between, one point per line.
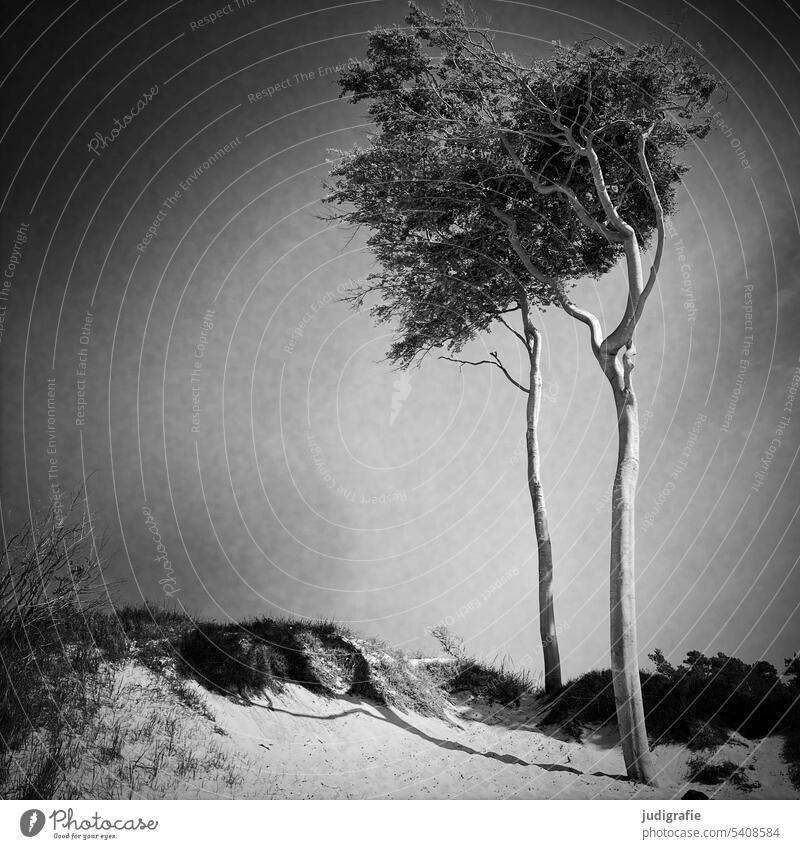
x=298, y=745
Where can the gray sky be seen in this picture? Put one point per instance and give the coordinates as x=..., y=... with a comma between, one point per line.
x=313, y=483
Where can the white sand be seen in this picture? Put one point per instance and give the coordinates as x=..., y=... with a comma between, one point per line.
x=345, y=748
x=299, y=745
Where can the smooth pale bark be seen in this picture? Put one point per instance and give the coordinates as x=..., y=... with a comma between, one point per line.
x=624, y=657
x=624, y=651
x=547, y=620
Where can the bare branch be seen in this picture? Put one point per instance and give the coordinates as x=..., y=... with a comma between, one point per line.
x=493, y=362
x=511, y=329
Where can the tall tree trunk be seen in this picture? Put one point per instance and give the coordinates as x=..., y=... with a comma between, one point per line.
x=547, y=621
x=624, y=652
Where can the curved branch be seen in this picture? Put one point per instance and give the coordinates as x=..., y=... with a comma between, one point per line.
x=659, y=213
x=588, y=318
x=493, y=362
x=585, y=316
x=610, y=210
x=622, y=335
x=542, y=189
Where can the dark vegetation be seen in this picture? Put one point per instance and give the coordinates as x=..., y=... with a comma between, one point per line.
x=791, y=754
x=49, y=569
x=492, y=682
x=703, y=771
x=698, y=703
x=265, y=654
x=60, y=642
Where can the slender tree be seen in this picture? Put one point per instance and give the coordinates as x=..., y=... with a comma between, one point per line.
x=576, y=156
x=599, y=130
x=447, y=270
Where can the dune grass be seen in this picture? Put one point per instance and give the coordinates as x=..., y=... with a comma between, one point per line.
x=61, y=652
x=495, y=682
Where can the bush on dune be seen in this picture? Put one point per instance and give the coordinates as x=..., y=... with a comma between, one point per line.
x=705, y=771
x=791, y=755
x=266, y=653
x=226, y=659
x=492, y=682
x=58, y=644
x=698, y=702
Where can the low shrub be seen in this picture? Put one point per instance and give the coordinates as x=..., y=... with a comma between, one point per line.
x=228, y=659
x=492, y=682
x=697, y=703
x=791, y=755
x=707, y=772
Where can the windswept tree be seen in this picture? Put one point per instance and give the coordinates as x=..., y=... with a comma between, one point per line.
x=598, y=131
x=447, y=271
x=576, y=156
x=601, y=128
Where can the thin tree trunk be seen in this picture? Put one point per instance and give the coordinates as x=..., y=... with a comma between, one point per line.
x=624, y=652
x=547, y=621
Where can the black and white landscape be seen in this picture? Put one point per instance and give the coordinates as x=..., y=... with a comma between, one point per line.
x=400, y=401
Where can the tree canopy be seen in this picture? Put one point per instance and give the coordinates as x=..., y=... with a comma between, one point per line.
x=467, y=140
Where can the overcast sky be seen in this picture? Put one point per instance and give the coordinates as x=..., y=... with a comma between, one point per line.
x=172, y=286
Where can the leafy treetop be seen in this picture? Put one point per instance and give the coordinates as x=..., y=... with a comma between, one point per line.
x=576, y=151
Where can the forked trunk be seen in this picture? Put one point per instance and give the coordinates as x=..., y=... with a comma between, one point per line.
x=547, y=621
x=624, y=653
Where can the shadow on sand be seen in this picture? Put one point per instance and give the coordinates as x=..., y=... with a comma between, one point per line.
x=386, y=714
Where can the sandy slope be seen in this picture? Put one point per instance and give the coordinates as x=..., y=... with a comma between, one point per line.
x=344, y=748
x=301, y=745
